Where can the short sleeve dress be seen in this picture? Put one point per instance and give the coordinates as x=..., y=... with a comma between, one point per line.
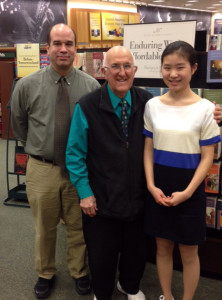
x=178, y=132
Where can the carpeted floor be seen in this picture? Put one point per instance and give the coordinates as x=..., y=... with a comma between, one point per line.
x=17, y=274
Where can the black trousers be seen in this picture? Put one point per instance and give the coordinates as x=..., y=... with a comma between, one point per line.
x=114, y=244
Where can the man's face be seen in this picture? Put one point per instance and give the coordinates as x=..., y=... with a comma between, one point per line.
x=62, y=49
x=120, y=71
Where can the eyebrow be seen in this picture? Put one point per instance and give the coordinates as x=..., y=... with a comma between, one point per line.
x=58, y=41
x=179, y=64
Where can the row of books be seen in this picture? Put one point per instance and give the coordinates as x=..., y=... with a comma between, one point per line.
x=210, y=94
x=214, y=212
x=91, y=63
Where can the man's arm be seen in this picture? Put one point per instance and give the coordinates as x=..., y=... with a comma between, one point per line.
x=76, y=154
x=19, y=114
x=217, y=113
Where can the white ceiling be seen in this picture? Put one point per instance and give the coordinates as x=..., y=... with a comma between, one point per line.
x=214, y=6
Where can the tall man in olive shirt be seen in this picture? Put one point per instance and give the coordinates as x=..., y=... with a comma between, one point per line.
x=50, y=192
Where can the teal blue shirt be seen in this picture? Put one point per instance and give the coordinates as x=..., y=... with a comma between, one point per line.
x=77, y=145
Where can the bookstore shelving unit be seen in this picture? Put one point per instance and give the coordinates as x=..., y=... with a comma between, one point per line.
x=16, y=194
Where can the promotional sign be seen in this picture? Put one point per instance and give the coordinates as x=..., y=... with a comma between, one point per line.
x=113, y=26
x=28, y=59
x=217, y=26
x=95, y=27
x=147, y=42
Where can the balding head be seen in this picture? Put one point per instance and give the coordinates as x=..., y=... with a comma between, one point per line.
x=60, y=27
x=115, y=52
x=119, y=70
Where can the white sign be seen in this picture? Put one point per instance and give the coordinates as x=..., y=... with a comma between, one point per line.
x=147, y=42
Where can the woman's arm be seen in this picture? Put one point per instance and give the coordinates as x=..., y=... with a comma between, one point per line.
x=148, y=166
x=207, y=154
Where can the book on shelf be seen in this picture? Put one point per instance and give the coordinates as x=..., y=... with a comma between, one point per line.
x=78, y=61
x=219, y=214
x=88, y=66
x=165, y=90
x=21, y=159
x=213, y=42
x=214, y=66
x=44, y=60
x=211, y=203
x=217, y=151
x=97, y=65
x=155, y=91
x=212, y=180
x=92, y=64
x=197, y=91
x=213, y=95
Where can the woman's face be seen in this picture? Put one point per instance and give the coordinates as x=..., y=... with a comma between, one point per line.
x=177, y=72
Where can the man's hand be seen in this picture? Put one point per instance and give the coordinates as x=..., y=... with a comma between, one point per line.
x=88, y=206
x=217, y=113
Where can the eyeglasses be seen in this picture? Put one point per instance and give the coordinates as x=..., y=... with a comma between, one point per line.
x=117, y=68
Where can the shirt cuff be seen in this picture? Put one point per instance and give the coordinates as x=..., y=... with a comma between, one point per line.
x=84, y=191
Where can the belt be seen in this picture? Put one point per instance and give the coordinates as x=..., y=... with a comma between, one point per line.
x=48, y=161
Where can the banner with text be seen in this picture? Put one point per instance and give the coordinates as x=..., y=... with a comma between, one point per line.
x=147, y=42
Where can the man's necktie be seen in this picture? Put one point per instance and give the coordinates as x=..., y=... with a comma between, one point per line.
x=62, y=123
x=124, y=117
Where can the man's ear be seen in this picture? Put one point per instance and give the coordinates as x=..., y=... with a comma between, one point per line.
x=47, y=48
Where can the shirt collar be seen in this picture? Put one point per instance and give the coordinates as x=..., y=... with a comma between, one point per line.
x=116, y=100
x=56, y=76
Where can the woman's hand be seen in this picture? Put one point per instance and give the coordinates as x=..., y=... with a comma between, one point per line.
x=176, y=198
x=158, y=196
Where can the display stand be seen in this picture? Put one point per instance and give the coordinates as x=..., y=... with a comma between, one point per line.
x=16, y=195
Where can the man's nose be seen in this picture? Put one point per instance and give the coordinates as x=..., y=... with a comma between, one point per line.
x=121, y=70
x=63, y=48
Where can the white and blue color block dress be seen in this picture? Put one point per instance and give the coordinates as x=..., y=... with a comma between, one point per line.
x=178, y=132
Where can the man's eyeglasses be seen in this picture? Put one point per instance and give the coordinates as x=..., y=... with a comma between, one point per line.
x=128, y=68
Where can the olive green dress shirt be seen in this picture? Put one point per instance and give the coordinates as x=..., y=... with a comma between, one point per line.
x=33, y=107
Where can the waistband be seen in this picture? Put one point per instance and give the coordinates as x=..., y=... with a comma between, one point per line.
x=48, y=161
